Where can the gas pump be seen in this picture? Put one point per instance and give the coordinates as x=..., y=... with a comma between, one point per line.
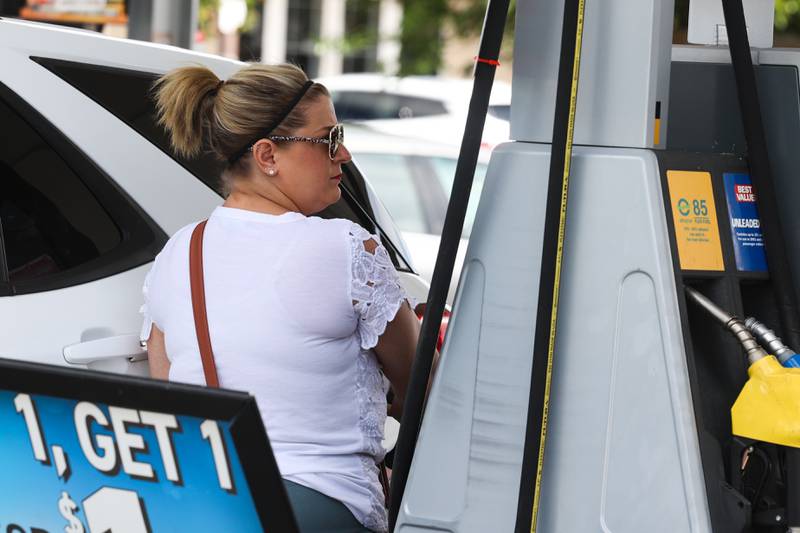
x=663, y=195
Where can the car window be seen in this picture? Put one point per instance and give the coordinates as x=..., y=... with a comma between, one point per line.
x=55, y=208
x=361, y=105
x=50, y=220
x=364, y=105
x=369, y=214
x=392, y=178
x=445, y=169
x=411, y=106
x=127, y=95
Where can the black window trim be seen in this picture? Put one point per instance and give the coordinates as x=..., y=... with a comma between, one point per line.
x=5, y=287
x=140, y=237
x=52, y=64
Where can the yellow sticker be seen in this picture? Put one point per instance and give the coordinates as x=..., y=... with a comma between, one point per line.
x=695, y=216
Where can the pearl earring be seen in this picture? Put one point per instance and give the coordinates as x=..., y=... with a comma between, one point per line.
x=271, y=172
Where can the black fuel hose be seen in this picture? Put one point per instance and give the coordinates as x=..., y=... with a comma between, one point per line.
x=487, y=61
x=774, y=242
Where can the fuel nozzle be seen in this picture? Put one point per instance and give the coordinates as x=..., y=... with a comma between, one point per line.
x=768, y=407
x=733, y=324
x=788, y=357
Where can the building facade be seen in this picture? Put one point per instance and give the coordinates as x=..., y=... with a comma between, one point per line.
x=329, y=37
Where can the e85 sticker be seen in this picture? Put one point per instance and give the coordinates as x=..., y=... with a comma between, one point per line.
x=698, y=208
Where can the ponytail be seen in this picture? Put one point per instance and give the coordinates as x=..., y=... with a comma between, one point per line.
x=184, y=98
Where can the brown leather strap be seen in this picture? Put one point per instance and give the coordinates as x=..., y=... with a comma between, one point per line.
x=199, y=304
x=383, y=476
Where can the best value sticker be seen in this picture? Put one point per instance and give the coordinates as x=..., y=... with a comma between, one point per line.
x=695, y=216
x=748, y=242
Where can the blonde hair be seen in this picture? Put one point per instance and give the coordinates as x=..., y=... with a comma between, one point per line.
x=199, y=110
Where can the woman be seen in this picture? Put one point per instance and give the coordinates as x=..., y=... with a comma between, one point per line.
x=304, y=313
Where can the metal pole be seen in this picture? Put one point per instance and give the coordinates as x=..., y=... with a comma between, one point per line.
x=140, y=20
x=185, y=22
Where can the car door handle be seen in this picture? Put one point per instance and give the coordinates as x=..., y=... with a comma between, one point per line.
x=126, y=346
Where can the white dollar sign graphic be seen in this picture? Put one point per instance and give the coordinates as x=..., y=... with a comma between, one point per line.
x=67, y=508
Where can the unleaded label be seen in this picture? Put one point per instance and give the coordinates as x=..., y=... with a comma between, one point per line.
x=748, y=242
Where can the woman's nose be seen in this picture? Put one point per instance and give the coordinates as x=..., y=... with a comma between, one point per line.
x=343, y=154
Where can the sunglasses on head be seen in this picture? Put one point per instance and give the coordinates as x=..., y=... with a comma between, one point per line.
x=334, y=139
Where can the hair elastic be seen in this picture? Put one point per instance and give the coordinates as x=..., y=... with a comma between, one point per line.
x=215, y=90
x=285, y=113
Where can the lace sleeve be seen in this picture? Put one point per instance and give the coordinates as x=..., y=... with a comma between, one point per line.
x=375, y=287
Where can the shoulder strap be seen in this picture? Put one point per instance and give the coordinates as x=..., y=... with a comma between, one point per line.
x=199, y=304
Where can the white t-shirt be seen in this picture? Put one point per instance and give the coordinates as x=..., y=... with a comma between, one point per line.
x=295, y=305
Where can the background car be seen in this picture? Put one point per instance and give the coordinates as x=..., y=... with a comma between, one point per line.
x=420, y=107
x=90, y=190
x=413, y=179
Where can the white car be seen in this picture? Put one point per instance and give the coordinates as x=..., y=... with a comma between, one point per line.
x=90, y=191
x=413, y=179
x=420, y=107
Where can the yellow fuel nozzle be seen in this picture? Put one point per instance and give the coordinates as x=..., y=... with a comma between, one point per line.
x=768, y=408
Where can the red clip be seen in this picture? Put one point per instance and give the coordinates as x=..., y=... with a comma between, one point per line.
x=493, y=62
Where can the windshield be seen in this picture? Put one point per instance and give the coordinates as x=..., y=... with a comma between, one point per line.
x=446, y=173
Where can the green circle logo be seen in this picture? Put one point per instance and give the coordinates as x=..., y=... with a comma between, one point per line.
x=683, y=206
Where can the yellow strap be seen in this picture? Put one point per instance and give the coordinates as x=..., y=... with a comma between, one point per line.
x=562, y=225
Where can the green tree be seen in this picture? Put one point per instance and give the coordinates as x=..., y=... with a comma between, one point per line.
x=787, y=15
x=421, y=36
x=467, y=19
x=421, y=41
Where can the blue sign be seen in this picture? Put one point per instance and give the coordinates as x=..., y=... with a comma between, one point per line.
x=106, y=452
x=748, y=242
x=81, y=466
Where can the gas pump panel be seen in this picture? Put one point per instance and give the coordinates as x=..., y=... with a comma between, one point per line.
x=705, y=118
x=706, y=134
x=719, y=251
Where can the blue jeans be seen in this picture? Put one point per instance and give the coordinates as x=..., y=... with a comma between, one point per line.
x=317, y=513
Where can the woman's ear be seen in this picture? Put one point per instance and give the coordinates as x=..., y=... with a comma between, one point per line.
x=264, y=156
